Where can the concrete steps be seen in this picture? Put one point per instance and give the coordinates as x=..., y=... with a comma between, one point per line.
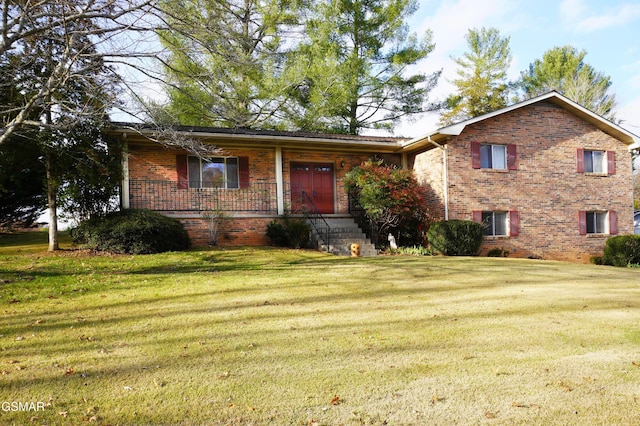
x=344, y=232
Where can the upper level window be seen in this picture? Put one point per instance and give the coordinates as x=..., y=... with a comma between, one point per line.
x=492, y=156
x=596, y=161
x=215, y=172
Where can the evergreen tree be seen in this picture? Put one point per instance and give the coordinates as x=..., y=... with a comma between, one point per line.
x=225, y=61
x=353, y=68
x=563, y=69
x=482, y=85
x=21, y=182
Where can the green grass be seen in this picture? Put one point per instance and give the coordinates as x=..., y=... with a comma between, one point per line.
x=273, y=336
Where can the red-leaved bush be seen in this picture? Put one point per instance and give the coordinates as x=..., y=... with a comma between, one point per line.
x=391, y=198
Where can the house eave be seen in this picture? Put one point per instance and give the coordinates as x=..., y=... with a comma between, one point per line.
x=612, y=129
x=267, y=139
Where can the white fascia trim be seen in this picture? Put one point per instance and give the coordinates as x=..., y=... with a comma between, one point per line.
x=303, y=141
x=456, y=129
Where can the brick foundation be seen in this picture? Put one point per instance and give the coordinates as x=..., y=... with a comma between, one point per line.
x=239, y=231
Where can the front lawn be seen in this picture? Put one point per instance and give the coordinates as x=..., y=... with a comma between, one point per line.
x=261, y=335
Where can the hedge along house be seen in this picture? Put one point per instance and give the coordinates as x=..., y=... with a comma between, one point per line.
x=546, y=177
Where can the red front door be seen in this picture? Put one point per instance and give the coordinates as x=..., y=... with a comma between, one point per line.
x=316, y=180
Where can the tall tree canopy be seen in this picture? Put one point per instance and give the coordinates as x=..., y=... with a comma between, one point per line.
x=57, y=91
x=354, y=67
x=77, y=26
x=224, y=61
x=563, y=69
x=482, y=86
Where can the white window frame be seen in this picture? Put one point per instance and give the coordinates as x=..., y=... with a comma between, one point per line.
x=227, y=169
x=494, y=151
x=489, y=223
x=589, y=157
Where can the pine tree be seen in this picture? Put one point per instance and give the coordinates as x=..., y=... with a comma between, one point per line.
x=59, y=85
x=354, y=67
x=563, y=69
x=482, y=85
x=225, y=61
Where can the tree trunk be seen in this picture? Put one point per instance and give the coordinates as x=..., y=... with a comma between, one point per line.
x=53, y=206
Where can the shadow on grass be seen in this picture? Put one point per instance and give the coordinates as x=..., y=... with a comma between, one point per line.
x=221, y=306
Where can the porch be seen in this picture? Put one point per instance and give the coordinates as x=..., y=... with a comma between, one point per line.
x=256, y=200
x=168, y=196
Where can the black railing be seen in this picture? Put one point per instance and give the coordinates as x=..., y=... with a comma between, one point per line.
x=316, y=219
x=361, y=218
x=162, y=195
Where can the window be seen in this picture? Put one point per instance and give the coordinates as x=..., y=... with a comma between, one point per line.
x=491, y=156
x=596, y=161
x=216, y=172
x=498, y=223
x=494, y=223
x=598, y=222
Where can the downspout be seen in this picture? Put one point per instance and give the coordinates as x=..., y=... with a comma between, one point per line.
x=445, y=176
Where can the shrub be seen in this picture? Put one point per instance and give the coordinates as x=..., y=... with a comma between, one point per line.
x=622, y=250
x=412, y=251
x=498, y=252
x=214, y=220
x=289, y=233
x=277, y=234
x=455, y=237
x=131, y=231
x=392, y=199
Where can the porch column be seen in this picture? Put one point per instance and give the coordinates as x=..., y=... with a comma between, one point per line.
x=124, y=192
x=279, y=181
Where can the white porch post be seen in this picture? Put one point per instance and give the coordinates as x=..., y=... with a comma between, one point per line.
x=124, y=193
x=279, y=181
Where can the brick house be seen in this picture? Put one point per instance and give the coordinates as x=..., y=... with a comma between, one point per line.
x=546, y=177
x=256, y=177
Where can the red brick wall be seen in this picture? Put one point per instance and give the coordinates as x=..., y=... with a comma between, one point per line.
x=428, y=168
x=154, y=162
x=236, y=231
x=545, y=189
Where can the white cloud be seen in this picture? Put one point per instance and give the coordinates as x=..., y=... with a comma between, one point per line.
x=577, y=16
x=629, y=115
x=450, y=23
x=572, y=10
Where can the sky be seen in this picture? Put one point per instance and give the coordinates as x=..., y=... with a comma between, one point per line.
x=609, y=31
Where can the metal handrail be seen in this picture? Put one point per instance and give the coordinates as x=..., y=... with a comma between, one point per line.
x=317, y=220
x=362, y=219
